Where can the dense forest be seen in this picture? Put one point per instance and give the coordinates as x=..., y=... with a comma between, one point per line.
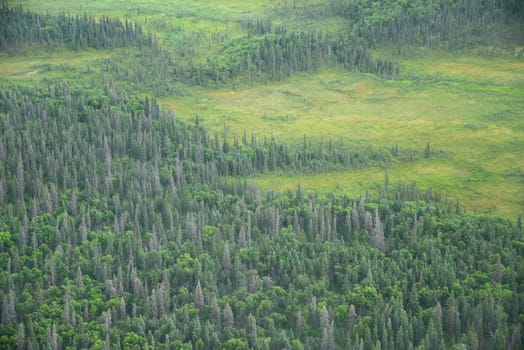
x=125, y=227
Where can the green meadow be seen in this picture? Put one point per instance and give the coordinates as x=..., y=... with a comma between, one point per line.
x=37, y=65
x=468, y=106
x=468, y=110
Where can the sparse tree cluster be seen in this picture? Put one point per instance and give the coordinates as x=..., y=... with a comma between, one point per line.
x=19, y=29
x=432, y=23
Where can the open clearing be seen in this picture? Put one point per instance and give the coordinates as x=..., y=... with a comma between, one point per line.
x=33, y=66
x=476, y=119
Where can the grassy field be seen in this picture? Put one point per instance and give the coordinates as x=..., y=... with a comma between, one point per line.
x=467, y=105
x=35, y=66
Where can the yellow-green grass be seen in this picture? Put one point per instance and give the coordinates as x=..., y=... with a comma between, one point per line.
x=470, y=65
x=361, y=109
x=477, y=120
x=34, y=66
x=497, y=194
x=219, y=9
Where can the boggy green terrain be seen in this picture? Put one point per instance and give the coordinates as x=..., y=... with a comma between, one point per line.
x=474, y=124
x=261, y=175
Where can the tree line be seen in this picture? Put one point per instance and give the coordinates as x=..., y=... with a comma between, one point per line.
x=20, y=29
x=268, y=56
x=434, y=23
